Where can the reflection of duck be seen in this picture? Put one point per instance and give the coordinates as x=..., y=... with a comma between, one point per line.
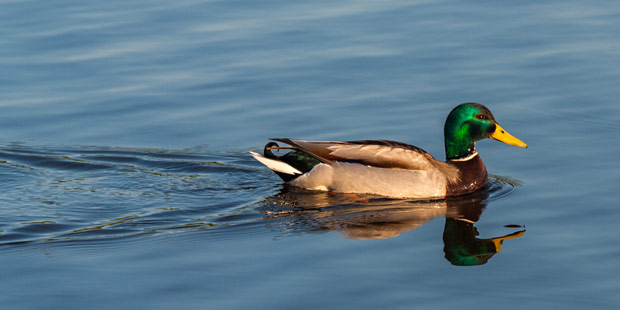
x=354, y=217
x=462, y=248
x=381, y=218
x=393, y=169
x=461, y=245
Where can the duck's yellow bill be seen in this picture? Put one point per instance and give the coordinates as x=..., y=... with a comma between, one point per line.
x=502, y=135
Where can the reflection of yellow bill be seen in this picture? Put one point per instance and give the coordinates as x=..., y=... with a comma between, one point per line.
x=502, y=135
x=498, y=241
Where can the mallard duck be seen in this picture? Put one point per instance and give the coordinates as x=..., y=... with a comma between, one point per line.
x=390, y=168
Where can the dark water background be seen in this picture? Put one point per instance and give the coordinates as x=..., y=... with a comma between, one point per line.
x=126, y=181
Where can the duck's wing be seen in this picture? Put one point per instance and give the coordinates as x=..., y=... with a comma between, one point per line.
x=377, y=153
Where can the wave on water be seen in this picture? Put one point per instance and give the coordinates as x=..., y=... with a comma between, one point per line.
x=86, y=193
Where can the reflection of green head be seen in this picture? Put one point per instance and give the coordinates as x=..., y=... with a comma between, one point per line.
x=462, y=248
x=466, y=124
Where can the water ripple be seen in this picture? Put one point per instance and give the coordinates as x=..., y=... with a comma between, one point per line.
x=97, y=193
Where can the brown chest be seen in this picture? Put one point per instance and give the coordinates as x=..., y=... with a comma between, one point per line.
x=473, y=176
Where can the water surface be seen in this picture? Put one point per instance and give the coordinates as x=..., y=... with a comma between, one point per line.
x=126, y=180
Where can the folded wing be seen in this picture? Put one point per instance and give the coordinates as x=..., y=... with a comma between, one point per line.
x=377, y=153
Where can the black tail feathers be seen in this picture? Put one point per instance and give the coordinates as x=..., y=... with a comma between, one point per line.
x=267, y=150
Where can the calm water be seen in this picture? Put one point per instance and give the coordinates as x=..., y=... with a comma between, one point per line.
x=125, y=128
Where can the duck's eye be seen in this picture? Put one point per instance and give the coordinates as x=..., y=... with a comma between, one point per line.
x=481, y=116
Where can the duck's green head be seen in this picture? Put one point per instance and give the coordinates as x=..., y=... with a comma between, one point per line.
x=468, y=123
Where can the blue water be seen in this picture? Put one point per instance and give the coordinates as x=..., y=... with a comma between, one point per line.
x=127, y=183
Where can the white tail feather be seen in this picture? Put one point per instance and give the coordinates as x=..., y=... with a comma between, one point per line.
x=275, y=165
